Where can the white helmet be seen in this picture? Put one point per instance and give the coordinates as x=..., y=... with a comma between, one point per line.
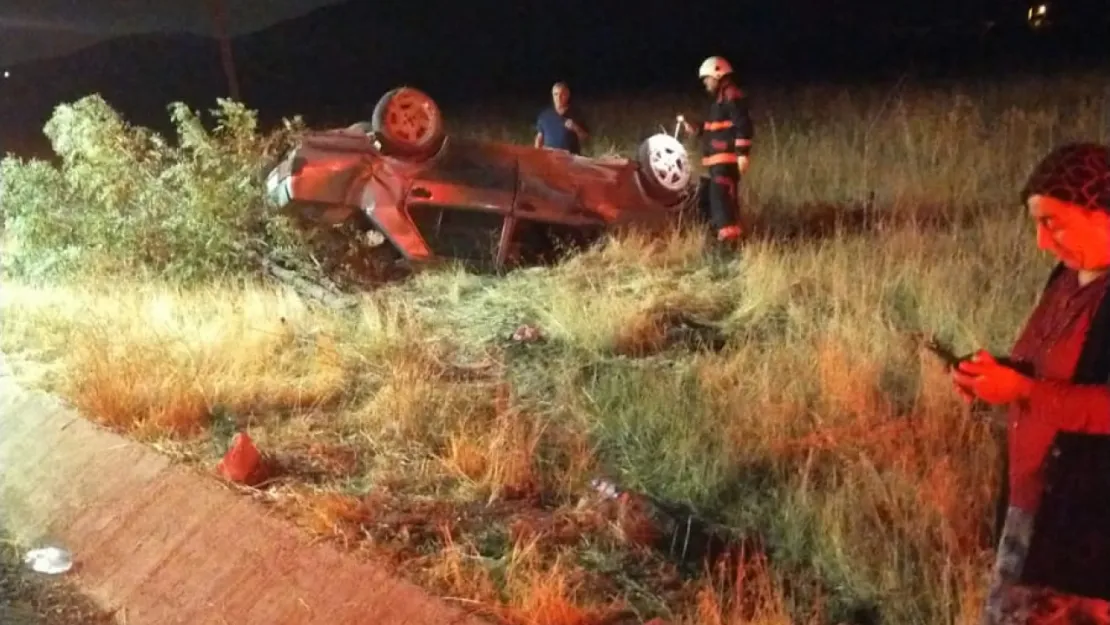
x=715, y=66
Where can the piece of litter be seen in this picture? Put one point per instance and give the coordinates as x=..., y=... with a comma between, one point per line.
x=605, y=488
x=527, y=334
x=49, y=560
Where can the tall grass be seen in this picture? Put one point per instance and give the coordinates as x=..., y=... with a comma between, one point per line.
x=413, y=428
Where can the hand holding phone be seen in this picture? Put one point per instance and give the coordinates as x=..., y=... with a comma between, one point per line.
x=945, y=353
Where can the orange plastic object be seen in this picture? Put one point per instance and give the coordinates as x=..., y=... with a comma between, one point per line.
x=243, y=462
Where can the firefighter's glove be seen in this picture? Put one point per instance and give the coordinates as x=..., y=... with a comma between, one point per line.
x=743, y=163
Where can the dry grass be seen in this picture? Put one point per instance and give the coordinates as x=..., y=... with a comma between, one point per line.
x=413, y=429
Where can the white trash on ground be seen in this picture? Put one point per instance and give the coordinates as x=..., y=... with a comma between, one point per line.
x=49, y=560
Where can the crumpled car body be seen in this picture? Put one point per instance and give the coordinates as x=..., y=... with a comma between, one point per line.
x=425, y=196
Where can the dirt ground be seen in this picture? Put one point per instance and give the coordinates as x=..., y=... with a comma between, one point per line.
x=30, y=598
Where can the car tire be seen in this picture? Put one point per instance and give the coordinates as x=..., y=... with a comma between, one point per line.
x=408, y=124
x=664, y=167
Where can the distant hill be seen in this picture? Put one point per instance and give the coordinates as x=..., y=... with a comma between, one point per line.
x=25, y=45
x=138, y=74
x=53, y=28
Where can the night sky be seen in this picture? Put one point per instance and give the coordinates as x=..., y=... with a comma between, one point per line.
x=334, y=62
x=518, y=34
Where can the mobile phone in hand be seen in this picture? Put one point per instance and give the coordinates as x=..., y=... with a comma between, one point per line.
x=945, y=353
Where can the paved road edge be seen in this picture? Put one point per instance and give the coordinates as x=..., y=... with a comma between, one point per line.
x=164, y=544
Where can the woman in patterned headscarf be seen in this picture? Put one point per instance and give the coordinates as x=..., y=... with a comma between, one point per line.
x=1059, y=380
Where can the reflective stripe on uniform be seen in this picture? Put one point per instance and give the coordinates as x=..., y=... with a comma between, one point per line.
x=728, y=233
x=723, y=158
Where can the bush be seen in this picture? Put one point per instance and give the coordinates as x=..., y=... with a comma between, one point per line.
x=125, y=201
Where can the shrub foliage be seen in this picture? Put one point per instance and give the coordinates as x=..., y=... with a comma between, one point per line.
x=123, y=200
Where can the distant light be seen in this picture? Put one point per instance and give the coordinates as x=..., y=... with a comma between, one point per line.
x=1038, y=15
x=7, y=74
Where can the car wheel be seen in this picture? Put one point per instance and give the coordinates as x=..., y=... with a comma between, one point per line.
x=664, y=166
x=408, y=123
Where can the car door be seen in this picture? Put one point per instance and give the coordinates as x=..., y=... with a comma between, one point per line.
x=461, y=201
x=549, y=213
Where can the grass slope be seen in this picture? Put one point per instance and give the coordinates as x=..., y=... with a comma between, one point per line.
x=411, y=427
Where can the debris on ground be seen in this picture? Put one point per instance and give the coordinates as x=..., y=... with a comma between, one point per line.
x=243, y=463
x=30, y=598
x=527, y=334
x=675, y=530
x=664, y=329
x=49, y=560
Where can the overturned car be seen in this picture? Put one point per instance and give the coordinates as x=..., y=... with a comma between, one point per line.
x=412, y=193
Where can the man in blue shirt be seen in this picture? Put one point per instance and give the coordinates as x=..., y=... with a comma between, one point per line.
x=560, y=125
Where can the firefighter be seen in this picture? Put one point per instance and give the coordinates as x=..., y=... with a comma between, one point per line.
x=726, y=143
